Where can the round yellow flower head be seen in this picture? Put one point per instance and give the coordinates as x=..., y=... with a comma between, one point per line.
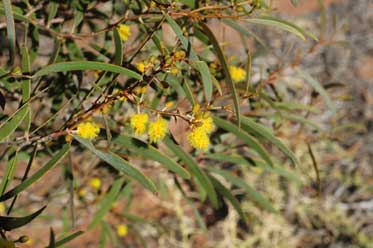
x=82, y=192
x=141, y=67
x=95, y=183
x=205, y=123
x=179, y=55
x=199, y=139
x=238, y=74
x=138, y=123
x=157, y=130
x=122, y=230
x=124, y=32
x=88, y=130
x=174, y=70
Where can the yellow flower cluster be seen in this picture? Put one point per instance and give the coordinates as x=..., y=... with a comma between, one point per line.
x=199, y=136
x=157, y=130
x=139, y=122
x=88, y=130
x=124, y=32
x=179, y=55
x=238, y=74
x=122, y=230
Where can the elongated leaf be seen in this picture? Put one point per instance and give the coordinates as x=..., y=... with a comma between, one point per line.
x=118, y=58
x=319, y=88
x=281, y=24
x=194, y=169
x=29, y=181
x=26, y=85
x=10, y=29
x=106, y=203
x=223, y=61
x=204, y=70
x=254, y=195
x=259, y=130
x=68, y=238
x=149, y=152
x=245, y=137
x=227, y=194
x=119, y=164
x=85, y=65
x=9, y=172
x=10, y=125
x=52, y=240
x=237, y=159
x=10, y=223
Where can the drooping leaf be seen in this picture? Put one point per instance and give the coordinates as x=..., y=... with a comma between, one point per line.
x=10, y=223
x=37, y=175
x=10, y=124
x=282, y=24
x=10, y=29
x=259, y=130
x=85, y=65
x=253, y=194
x=228, y=194
x=204, y=70
x=68, y=238
x=150, y=152
x=245, y=137
x=223, y=61
x=119, y=164
x=199, y=174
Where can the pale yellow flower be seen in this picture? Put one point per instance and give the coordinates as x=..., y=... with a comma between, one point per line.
x=88, y=130
x=124, y=32
x=122, y=230
x=199, y=139
x=95, y=183
x=138, y=123
x=238, y=74
x=157, y=130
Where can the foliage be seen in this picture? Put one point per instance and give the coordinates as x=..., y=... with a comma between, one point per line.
x=138, y=81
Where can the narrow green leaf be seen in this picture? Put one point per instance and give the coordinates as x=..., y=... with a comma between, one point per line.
x=254, y=195
x=9, y=172
x=262, y=131
x=11, y=124
x=319, y=88
x=119, y=164
x=118, y=58
x=68, y=238
x=227, y=194
x=10, y=223
x=85, y=65
x=223, y=61
x=52, y=240
x=106, y=203
x=37, y=175
x=10, y=29
x=204, y=70
x=245, y=137
x=281, y=24
x=199, y=174
x=148, y=151
x=26, y=85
